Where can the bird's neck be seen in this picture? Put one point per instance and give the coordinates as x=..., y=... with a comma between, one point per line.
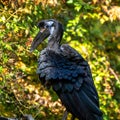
x=54, y=43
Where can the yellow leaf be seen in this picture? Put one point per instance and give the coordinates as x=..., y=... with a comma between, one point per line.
x=118, y=46
x=1, y=78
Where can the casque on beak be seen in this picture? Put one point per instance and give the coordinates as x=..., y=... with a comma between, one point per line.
x=42, y=35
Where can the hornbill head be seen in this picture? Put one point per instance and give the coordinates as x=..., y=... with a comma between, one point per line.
x=51, y=29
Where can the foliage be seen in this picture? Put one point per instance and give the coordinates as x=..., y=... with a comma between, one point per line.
x=91, y=27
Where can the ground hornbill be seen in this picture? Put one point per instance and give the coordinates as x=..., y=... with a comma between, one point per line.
x=63, y=68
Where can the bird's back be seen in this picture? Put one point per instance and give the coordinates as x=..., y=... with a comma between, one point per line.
x=69, y=75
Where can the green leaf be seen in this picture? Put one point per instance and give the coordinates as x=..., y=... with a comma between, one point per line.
x=69, y=1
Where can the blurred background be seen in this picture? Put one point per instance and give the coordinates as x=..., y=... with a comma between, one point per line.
x=92, y=27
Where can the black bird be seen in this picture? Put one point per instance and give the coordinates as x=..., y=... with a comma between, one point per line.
x=63, y=68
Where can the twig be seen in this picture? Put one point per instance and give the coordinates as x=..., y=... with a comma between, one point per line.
x=11, y=15
x=115, y=75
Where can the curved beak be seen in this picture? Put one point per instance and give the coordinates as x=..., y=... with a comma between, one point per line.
x=42, y=35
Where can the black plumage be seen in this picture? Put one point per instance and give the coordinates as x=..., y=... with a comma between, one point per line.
x=63, y=68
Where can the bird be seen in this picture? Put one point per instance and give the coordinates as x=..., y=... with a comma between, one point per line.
x=63, y=69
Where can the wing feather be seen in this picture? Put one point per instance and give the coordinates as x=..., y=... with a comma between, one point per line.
x=71, y=78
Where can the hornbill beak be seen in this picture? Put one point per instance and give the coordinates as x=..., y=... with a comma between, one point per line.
x=42, y=35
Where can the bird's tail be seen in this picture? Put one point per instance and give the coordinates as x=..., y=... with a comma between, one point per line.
x=99, y=117
x=94, y=117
